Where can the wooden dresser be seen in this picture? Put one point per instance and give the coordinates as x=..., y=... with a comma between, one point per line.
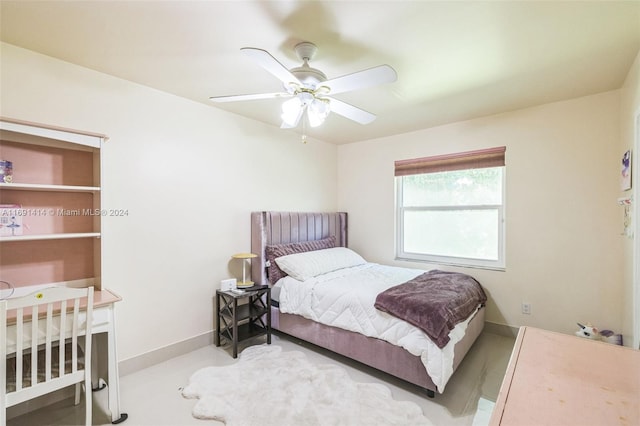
x=559, y=379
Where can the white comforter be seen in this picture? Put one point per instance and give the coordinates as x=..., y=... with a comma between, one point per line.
x=345, y=299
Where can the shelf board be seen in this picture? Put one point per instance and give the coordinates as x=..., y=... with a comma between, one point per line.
x=50, y=188
x=50, y=236
x=244, y=312
x=245, y=331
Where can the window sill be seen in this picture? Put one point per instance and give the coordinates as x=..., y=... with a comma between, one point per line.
x=450, y=263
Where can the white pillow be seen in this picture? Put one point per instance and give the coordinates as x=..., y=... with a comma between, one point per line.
x=303, y=266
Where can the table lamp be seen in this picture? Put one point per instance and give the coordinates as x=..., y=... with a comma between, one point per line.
x=244, y=256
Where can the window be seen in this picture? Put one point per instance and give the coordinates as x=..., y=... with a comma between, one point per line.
x=450, y=209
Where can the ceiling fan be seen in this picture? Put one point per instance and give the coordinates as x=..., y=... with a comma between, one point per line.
x=309, y=90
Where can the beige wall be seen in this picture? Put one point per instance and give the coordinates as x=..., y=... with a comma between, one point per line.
x=564, y=253
x=188, y=174
x=630, y=129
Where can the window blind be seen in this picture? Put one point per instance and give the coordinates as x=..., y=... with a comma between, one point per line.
x=490, y=157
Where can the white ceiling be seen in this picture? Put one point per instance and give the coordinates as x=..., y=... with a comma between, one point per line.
x=455, y=59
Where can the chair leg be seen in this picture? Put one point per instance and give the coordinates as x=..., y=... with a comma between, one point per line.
x=77, y=400
x=88, y=401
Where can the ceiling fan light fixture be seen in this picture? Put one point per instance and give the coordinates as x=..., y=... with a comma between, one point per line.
x=322, y=91
x=306, y=97
x=317, y=111
x=292, y=88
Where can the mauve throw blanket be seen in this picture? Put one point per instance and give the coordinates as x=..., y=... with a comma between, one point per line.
x=434, y=302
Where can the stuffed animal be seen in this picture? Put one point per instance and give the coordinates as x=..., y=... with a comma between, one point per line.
x=590, y=332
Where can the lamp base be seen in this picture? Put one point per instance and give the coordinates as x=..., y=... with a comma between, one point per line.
x=244, y=284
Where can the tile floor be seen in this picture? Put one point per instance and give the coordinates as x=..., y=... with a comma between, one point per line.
x=152, y=396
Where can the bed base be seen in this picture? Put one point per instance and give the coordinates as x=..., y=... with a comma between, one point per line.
x=376, y=353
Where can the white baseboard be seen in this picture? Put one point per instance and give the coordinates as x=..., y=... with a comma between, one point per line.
x=139, y=362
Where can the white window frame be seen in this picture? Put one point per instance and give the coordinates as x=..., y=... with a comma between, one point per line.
x=498, y=264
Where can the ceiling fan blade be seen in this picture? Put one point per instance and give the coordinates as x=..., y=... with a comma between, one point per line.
x=234, y=98
x=271, y=64
x=351, y=112
x=361, y=79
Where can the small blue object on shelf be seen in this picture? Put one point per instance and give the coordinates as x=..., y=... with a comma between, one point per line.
x=6, y=171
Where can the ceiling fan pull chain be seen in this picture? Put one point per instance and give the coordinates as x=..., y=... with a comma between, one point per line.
x=304, y=130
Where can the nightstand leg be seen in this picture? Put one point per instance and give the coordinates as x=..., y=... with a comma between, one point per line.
x=235, y=327
x=268, y=317
x=216, y=339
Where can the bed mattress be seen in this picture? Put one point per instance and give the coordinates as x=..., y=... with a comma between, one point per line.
x=345, y=299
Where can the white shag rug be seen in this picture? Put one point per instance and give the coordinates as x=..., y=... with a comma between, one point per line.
x=270, y=387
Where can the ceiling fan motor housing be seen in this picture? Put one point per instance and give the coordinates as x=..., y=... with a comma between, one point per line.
x=308, y=76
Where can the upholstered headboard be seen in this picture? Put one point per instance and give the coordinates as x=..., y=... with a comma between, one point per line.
x=268, y=228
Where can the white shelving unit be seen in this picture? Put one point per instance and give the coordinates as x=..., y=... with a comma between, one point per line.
x=57, y=186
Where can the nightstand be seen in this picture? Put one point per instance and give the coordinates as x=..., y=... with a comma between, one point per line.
x=240, y=321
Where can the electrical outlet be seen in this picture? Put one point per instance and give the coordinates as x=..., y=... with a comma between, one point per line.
x=526, y=308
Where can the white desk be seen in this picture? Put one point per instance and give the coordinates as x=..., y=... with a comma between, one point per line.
x=104, y=324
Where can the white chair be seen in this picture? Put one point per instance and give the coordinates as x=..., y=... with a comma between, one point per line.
x=39, y=357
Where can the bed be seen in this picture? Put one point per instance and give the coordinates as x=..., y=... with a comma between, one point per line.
x=424, y=365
